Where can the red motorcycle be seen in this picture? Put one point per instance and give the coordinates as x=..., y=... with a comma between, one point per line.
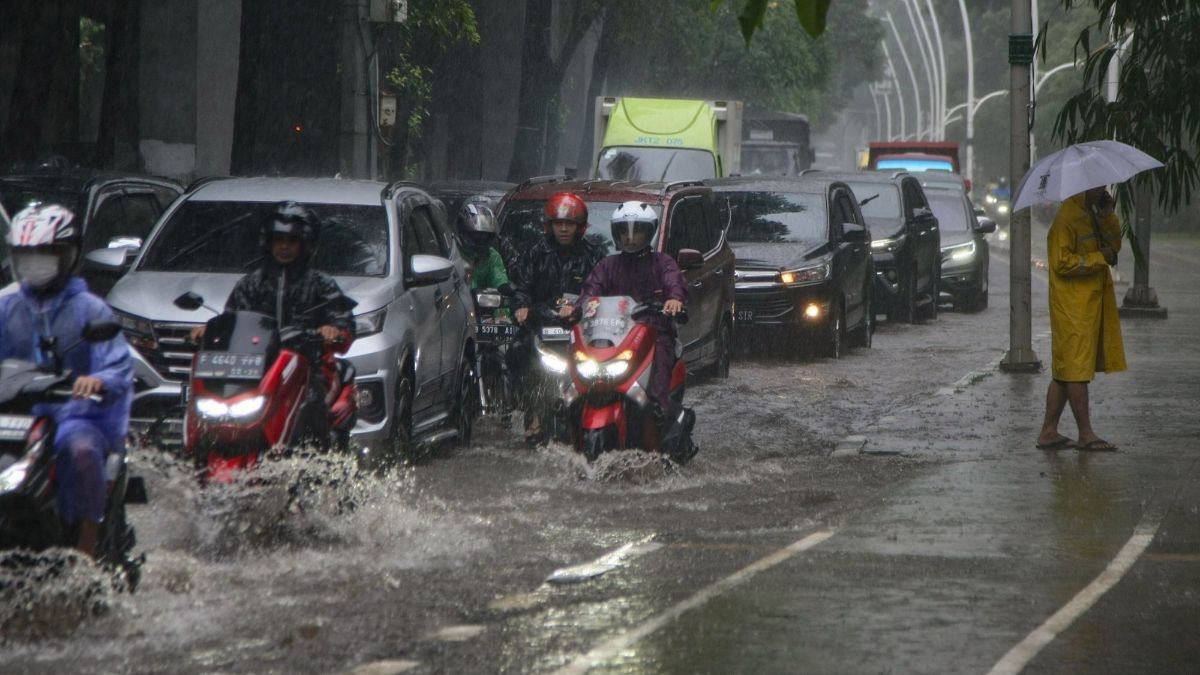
x=248, y=392
x=612, y=354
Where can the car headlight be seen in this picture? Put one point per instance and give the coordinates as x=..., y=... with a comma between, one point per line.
x=959, y=253
x=552, y=361
x=887, y=245
x=12, y=477
x=138, y=331
x=991, y=199
x=1003, y=208
x=369, y=323
x=806, y=275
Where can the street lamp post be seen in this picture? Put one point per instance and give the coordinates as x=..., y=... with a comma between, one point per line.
x=895, y=84
x=937, y=36
x=925, y=48
x=970, y=45
x=912, y=76
x=1020, y=357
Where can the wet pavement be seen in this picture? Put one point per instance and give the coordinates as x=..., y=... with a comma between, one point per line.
x=937, y=539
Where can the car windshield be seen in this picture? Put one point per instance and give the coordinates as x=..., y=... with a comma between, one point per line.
x=655, y=164
x=878, y=200
x=17, y=194
x=777, y=217
x=779, y=160
x=950, y=209
x=214, y=236
x=522, y=223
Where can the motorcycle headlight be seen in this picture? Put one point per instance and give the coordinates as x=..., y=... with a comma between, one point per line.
x=959, y=253
x=247, y=407
x=615, y=368
x=212, y=408
x=369, y=323
x=587, y=368
x=12, y=477
x=805, y=275
x=552, y=361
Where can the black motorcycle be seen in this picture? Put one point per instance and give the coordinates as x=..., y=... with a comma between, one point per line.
x=495, y=334
x=29, y=516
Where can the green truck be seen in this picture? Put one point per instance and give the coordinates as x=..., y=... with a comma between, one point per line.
x=664, y=139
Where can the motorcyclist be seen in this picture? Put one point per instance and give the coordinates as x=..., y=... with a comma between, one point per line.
x=555, y=266
x=646, y=276
x=287, y=287
x=477, y=231
x=52, y=303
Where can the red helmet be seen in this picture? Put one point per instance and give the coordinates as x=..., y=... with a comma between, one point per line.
x=565, y=206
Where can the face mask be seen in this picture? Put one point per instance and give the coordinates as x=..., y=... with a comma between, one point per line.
x=36, y=269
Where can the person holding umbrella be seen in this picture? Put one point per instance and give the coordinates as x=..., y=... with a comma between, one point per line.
x=1085, y=329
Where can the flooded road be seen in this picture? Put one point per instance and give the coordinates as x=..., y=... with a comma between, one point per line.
x=882, y=513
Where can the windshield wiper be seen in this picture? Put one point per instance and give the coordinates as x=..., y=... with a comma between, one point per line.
x=196, y=245
x=868, y=199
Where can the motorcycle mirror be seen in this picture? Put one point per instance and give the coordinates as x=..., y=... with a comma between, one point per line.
x=341, y=303
x=189, y=301
x=100, y=331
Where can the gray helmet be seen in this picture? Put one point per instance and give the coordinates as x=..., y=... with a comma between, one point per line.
x=477, y=228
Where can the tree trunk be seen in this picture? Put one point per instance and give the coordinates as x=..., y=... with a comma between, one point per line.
x=600, y=60
x=44, y=109
x=536, y=87
x=119, y=109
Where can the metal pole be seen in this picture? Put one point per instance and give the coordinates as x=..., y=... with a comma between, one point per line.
x=925, y=46
x=878, y=116
x=911, y=74
x=355, y=129
x=1033, y=77
x=937, y=36
x=887, y=104
x=1020, y=356
x=970, y=44
x=895, y=83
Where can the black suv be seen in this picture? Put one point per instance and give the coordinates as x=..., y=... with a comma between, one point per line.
x=803, y=260
x=117, y=210
x=905, y=241
x=690, y=229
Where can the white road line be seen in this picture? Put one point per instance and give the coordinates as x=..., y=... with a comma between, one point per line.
x=620, y=643
x=1019, y=656
x=605, y=563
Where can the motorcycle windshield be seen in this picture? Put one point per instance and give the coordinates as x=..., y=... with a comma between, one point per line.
x=242, y=333
x=607, y=320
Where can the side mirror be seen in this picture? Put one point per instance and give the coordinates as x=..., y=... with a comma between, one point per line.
x=429, y=269
x=689, y=259
x=189, y=301
x=100, y=331
x=110, y=259
x=986, y=225
x=128, y=242
x=853, y=232
x=979, y=210
x=341, y=303
x=922, y=212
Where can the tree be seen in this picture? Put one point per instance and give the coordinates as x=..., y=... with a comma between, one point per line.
x=1158, y=107
x=811, y=13
x=44, y=108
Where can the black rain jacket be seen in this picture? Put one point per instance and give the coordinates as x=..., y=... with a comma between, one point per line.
x=547, y=271
x=302, y=288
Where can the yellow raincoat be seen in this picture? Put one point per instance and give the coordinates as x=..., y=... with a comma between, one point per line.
x=1084, y=326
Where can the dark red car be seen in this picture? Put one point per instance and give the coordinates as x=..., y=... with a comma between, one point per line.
x=689, y=229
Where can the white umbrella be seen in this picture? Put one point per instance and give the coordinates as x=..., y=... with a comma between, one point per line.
x=1079, y=168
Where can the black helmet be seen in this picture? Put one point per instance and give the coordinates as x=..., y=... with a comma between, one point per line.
x=477, y=228
x=291, y=219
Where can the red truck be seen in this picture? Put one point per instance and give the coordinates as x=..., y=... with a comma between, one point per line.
x=914, y=156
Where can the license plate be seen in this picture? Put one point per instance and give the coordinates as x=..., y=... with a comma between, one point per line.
x=496, y=329
x=15, y=427
x=227, y=366
x=554, y=331
x=744, y=315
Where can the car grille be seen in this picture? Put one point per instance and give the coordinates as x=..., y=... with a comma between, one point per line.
x=172, y=353
x=764, y=302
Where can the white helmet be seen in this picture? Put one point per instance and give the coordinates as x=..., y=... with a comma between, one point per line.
x=630, y=218
x=44, y=240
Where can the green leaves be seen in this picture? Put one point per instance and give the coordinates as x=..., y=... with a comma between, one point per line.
x=810, y=12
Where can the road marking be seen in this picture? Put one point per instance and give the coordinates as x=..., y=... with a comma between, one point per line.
x=850, y=445
x=384, y=668
x=605, y=563
x=460, y=633
x=614, y=646
x=1019, y=656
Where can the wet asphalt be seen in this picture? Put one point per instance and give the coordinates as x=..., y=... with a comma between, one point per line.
x=886, y=513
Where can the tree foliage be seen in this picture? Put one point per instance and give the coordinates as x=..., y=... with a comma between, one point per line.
x=1158, y=106
x=811, y=13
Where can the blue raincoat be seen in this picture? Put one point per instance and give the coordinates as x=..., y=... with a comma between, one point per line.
x=87, y=431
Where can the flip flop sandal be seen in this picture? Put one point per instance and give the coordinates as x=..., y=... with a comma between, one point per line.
x=1060, y=442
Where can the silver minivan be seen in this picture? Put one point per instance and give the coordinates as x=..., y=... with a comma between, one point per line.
x=388, y=247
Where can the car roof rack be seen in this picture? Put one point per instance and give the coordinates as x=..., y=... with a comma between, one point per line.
x=538, y=180
x=202, y=181
x=680, y=184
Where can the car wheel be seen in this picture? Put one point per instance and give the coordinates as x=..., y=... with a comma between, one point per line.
x=720, y=368
x=932, y=311
x=465, y=409
x=865, y=333
x=836, y=337
x=982, y=303
x=400, y=446
x=907, y=302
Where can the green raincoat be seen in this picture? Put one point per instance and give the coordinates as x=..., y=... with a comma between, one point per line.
x=1085, y=328
x=489, y=273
